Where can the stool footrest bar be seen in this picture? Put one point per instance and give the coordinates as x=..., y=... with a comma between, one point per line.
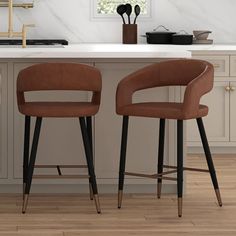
x=187, y=168
x=61, y=166
x=61, y=176
x=154, y=176
x=141, y=175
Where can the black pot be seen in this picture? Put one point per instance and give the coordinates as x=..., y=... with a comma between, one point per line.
x=159, y=37
x=182, y=39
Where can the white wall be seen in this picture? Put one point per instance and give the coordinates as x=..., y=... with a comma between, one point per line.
x=71, y=19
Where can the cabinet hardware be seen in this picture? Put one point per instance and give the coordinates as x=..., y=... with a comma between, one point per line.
x=232, y=88
x=227, y=88
x=216, y=65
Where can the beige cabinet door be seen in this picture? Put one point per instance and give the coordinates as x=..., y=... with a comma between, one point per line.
x=60, y=139
x=3, y=121
x=143, y=132
x=217, y=121
x=232, y=126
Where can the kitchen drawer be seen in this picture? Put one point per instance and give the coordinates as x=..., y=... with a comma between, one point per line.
x=233, y=66
x=220, y=63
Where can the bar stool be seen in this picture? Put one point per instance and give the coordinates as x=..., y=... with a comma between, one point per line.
x=197, y=76
x=58, y=76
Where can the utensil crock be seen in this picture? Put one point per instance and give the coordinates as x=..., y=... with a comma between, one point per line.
x=130, y=33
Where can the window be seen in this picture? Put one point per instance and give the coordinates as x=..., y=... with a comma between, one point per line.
x=107, y=8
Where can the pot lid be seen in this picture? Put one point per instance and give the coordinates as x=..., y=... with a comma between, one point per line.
x=182, y=33
x=158, y=31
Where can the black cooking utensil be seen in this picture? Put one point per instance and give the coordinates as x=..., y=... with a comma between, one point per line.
x=121, y=9
x=128, y=11
x=137, y=11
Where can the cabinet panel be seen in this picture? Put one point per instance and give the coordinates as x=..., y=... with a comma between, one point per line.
x=232, y=126
x=233, y=66
x=60, y=140
x=143, y=132
x=217, y=121
x=3, y=120
x=220, y=63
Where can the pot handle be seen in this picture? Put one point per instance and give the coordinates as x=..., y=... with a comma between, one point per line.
x=161, y=26
x=183, y=32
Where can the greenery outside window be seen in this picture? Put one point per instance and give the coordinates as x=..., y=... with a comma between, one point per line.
x=107, y=8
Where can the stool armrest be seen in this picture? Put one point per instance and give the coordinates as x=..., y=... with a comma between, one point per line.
x=195, y=90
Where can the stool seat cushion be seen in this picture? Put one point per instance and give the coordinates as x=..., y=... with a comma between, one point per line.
x=59, y=109
x=165, y=110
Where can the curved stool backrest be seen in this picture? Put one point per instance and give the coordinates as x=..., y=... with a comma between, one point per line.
x=59, y=76
x=197, y=75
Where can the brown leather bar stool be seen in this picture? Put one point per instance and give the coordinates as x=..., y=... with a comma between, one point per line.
x=197, y=76
x=58, y=76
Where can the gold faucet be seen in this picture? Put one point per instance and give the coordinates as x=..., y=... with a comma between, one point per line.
x=11, y=33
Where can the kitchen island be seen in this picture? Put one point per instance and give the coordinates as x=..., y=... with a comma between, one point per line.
x=60, y=135
x=92, y=51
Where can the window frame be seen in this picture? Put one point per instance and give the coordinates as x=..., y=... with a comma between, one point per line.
x=96, y=16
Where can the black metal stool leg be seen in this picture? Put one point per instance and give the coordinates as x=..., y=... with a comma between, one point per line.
x=160, y=154
x=209, y=159
x=123, y=158
x=180, y=165
x=32, y=162
x=90, y=134
x=88, y=154
x=26, y=151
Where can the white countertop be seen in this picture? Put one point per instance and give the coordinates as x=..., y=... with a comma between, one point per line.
x=114, y=51
x=213, y=48
x=96, y=51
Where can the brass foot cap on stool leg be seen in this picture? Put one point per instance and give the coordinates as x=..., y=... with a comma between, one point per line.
x=120, y=195
x=180, y=206
x=218, y=197
x=159, y=185
x=25, y=203
x=97, y=203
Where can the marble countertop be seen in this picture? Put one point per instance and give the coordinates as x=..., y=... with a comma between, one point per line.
x=209, y=49
x=95, y=51
x=114, y=51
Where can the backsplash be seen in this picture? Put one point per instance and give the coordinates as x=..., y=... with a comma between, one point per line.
x=72, y=20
